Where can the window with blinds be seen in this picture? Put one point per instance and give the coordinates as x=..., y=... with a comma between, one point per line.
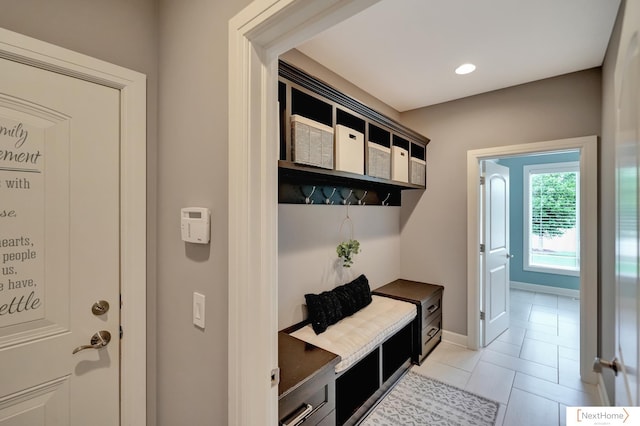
x=552, y=237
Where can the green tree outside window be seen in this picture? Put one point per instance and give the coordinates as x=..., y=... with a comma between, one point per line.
x=553, y=203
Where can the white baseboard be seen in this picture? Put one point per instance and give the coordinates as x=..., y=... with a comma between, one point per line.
x=545, y=289
x=455, y=338
x=602, y=391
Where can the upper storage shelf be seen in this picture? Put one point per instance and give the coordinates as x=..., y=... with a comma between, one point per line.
x=333, y=144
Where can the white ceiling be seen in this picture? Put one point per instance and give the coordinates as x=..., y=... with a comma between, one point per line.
x=404, y=52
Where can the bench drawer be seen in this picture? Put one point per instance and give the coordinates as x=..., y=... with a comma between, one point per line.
x=313, y=401
x=431, y=336
x=432, y=308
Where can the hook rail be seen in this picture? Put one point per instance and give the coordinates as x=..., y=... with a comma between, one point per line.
x=327, y=195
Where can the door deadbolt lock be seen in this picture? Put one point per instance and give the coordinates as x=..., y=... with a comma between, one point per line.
x=101, y=307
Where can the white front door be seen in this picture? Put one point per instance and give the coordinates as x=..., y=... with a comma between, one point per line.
x=627, y=88
x=495, y=257
x=59, y=248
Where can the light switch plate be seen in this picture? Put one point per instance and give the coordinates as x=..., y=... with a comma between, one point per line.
x=198, y=310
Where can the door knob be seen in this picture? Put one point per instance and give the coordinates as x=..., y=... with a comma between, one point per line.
x=598, y=363
x=509, y=256
x=98, y=340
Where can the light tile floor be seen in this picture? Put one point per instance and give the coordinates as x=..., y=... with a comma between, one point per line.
x=532, y=369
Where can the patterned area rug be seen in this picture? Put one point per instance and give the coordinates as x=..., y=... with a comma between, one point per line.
x=419, y=400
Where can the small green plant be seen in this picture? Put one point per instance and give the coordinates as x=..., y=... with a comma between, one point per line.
x=346, y=250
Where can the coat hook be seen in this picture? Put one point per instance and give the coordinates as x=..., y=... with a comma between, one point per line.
x=344, y=201
x=384, y=203
x=307, y=198
x=327, y=200
x=360, y=200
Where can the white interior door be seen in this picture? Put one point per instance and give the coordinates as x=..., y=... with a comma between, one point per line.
x=628, y=212
x=59, y=248
x=495, y=258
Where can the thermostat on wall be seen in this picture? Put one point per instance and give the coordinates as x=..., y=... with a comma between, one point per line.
x=194, y=223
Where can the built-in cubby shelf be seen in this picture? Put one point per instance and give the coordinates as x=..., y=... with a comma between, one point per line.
x=302, y=95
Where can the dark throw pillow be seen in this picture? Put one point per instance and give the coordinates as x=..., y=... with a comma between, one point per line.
x=361, y=291
x=329, y=307
x=324, y=310
x=346, y=294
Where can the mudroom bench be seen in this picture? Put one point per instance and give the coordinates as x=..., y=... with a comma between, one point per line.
x=348, y=366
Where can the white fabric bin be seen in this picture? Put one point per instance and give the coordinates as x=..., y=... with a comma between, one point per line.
x=349, y=150
x=399, y=164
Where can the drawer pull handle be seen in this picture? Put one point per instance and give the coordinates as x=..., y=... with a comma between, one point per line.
x=431, y=309
x=306, y=410
x=432, y=332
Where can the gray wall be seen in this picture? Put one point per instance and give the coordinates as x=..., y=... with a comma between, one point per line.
x=193, y=127
x=307, y=259
x=125, y=33
x=434, y=223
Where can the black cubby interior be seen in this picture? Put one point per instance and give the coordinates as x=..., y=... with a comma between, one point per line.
x=356, y=385
x=379, y=136
x=311, y=107
x=350, y=121
x=396, y=351
x=418, y=151
x=401, y=142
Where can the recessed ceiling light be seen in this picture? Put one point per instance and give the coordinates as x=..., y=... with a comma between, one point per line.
x=465, y=69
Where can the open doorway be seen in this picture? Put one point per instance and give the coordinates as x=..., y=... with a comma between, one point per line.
x=530, y=242
x=525, y=241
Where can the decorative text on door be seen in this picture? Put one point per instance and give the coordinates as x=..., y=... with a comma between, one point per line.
x=22, y=222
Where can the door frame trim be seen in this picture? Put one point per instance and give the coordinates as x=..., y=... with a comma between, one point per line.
x=132, y=86
x=257, y=35
x=588, y=147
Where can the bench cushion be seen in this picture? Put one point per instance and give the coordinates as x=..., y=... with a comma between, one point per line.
x=355, y=336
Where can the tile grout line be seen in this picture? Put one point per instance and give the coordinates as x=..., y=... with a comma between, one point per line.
x=537, y=393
